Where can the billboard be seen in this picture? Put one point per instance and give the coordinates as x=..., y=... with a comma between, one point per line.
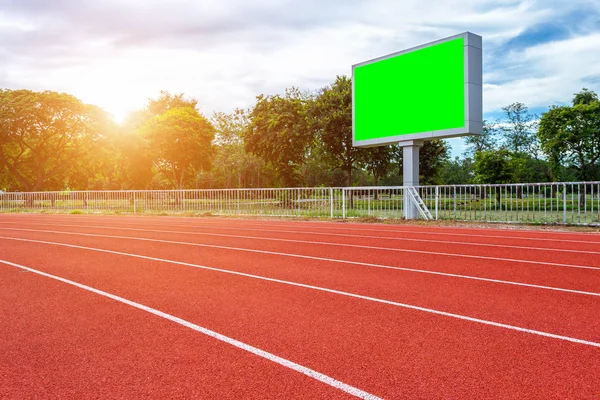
x=427, y=92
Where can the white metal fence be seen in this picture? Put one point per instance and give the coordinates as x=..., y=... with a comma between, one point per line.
x=549, y=203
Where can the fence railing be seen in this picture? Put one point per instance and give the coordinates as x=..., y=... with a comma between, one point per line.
x=545, y=203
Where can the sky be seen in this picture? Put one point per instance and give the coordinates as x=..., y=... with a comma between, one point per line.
x=118, y=53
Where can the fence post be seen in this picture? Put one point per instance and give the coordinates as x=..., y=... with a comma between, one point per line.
x=454, y=195
x=331, y=203
x=87, y=206
x=565, y=203
x=134, y=204
x=437, y=195
x=343, y=203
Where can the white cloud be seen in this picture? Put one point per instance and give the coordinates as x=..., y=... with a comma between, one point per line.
x=556, y=71
x=118, y=53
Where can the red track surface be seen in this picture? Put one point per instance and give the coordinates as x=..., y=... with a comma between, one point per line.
x=506, y=313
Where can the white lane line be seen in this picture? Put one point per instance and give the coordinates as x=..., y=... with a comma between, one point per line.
x=359, y=236
x=432, y=232
x=322, y=289
x=241, y=345
x=422, y=271
x=360, y=247
x=191, y=224
x=450, y=234
x=360, y=227
x=350, y=224
x=313, y=233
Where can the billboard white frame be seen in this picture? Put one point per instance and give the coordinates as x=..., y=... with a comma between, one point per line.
x=473, y=95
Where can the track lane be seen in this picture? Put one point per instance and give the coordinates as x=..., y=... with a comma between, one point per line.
x=62, y=342
x=569, y=243
x=459, y=361
x=570, y=248
x=549, y=311
x=335, y=226
x=524, y=272
x=517, y=231
x=493, y=236
x=513, y=251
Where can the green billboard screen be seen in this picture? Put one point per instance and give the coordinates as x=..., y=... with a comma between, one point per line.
x=431, y=91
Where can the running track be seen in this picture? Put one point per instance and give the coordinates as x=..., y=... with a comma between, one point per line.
x=164, y=307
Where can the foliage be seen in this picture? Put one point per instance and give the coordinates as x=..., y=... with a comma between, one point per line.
x=332, y=116
x=488, y=140
x=585, y=97
x=133, y=160
x=457, y=171
x=526, y=168
x=378, y=161
x=432, y=156
x=52, y=141
x=167, y=101
x=493, y=166
x=278, y=132
x=233, y=166
x=43, y=136
x=570, y=136
x=519, y=129
x=504, y=166
x=181, y=143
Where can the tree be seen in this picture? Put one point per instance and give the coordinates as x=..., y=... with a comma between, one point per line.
x=488, y=140
x=317, y=171
x=181, y=142
x=7, y=181
x=332, y=113
x=519, y=130
x=571, y=135
x=432, y=156
x=279, y=133
x=378, y=161
x=137, y=162
x=585, y=97
x=167, y=101
x=493, y=166
x=44, y=136
x=457, y=171
x=134, y=160
x=233, y=166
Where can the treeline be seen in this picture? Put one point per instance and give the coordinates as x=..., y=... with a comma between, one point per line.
x=52, y=141
x=563, y=144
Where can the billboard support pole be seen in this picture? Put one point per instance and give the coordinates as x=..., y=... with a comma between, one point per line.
x=410, y=173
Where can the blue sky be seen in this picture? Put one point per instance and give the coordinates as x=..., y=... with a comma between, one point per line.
x=118, y=53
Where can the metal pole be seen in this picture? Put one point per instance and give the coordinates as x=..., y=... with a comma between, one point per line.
x=344, y=203
x=565, y=203
x=331, y=203
x=437, y=195
x=410, y=174
x=454, y=203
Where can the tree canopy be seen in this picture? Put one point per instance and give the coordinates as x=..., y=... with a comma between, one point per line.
x=43, y=136
x=181, y=143
x=570, y=136
x=279, y=133
x=53, y=141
